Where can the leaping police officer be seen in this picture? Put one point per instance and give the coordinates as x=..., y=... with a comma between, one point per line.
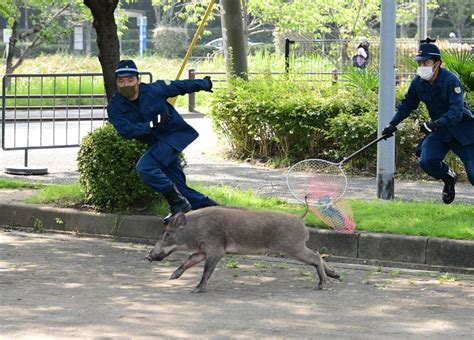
x=141, y=111
x=452, y=123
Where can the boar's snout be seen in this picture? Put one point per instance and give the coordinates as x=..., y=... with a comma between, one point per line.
x=158, y=255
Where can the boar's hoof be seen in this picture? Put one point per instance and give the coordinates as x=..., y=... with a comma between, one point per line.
x=198, y=290
x=177, y=274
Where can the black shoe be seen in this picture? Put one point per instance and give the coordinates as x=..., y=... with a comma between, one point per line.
x=178, y=203
x=209, y=203
x=449, y=192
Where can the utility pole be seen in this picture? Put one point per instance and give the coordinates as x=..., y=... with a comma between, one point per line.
x=386, y=149
x=235, y=51
x=422, y=19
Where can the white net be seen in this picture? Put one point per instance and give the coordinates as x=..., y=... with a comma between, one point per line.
x=322, y=184
x=318, y=180
x=338, y=216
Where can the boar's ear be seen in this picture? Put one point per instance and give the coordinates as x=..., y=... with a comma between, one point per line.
x=178, y=220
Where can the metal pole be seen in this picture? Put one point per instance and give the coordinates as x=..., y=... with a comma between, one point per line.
x=287, y=55
x=235, y=50
x=386, y=149
x=422, y=20
x=26, y=158
x=191, y=96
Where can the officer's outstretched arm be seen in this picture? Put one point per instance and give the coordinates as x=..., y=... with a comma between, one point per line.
x=173, y=88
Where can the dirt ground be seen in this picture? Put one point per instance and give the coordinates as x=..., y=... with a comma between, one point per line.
x=64, y=286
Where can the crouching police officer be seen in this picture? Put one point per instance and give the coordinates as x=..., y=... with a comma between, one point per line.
x=452, y=123
x=141, y=111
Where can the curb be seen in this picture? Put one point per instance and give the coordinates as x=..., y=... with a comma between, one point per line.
x=373, y=248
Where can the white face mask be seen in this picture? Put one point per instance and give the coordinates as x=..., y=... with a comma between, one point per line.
x=425, y=72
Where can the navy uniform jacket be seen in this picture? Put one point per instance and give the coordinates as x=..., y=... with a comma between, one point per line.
x=445, y=102
x=133, y=121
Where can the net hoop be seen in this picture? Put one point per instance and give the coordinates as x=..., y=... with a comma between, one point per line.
x=328, y=175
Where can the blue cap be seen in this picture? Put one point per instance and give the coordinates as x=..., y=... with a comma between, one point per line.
x=126, y=68
x=428, y=51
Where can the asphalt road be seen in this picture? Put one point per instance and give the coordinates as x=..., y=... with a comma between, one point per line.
x=62, y=286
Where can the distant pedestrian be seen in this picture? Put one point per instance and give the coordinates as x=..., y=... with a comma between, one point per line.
x=361, y=57
x=452, y=123
x=141, y=111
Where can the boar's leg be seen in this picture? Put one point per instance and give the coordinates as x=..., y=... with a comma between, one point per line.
x=309, y=257
x=191, y=261
x=330, y=271
x=212, y=259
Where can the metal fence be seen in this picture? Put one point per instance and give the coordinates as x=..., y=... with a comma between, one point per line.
x=321, y=59
x=47, y=111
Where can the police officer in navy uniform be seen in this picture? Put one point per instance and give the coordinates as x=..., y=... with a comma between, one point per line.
x=452, y=123
x=141, y=111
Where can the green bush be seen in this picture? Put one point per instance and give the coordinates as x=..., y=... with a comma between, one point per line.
x=350, y=133
x=107, y=171
x=462, y=63
x=268, y=118
x=170, y=42
x=363, y=80
x=284, y=121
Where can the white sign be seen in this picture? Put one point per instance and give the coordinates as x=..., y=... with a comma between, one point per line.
x=78, y=38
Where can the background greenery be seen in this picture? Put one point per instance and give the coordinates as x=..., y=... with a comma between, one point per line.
x=272, y=118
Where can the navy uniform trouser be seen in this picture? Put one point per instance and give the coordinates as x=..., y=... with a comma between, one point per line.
x=434, y=149
x=160, y=176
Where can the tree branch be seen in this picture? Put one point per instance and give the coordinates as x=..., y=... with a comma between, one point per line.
x=33, y=44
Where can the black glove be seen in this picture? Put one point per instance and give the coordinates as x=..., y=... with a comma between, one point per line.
x=210, y=83
x=165, y=117
x=428, y=127
x=161, y=119
x=388, y=131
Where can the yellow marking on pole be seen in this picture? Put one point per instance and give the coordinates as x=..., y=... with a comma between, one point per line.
x=172, y=101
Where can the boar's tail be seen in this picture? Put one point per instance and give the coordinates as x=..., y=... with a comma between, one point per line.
x=307, y=207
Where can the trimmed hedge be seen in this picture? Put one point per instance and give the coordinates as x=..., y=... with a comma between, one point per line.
x=285, y=121
x=107, y=171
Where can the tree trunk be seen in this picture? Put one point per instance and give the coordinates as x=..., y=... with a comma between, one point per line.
x=235, y=51
x=107, y=40
x=11, y=48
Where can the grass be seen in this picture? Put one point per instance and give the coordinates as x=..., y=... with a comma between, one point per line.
x=6, y=183
x=455, y=221
x=58, y=194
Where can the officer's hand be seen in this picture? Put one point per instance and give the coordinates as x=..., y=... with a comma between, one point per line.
x=210, y=83
x=388, y=131
x=165, y=117
x=428, y=127
x=161, y=119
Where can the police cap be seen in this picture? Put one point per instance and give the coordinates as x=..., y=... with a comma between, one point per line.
x=126, y=68
x=428, y=51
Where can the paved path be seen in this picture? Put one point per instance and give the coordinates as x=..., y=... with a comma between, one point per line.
x=61, y=286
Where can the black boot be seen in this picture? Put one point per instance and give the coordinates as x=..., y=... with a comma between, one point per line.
x=178, y=203
x=449, y=180
x=209, y=203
